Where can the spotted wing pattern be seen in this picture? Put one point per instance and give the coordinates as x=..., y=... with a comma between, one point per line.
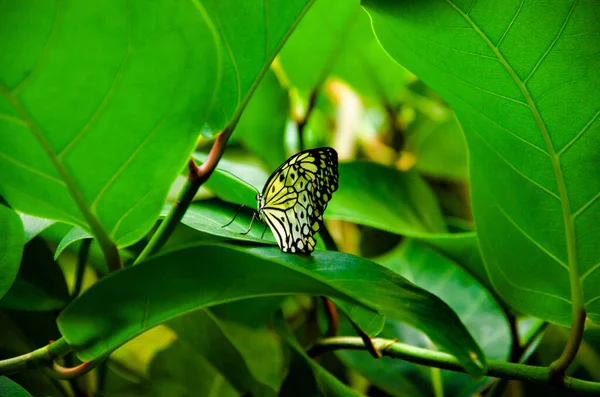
x=296, y=195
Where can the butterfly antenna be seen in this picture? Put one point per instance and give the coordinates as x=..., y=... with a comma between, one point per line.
x=235, y=216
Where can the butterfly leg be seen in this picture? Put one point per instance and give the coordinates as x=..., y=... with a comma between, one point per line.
x=235, y=216
x=263, y=233
x=251, y=222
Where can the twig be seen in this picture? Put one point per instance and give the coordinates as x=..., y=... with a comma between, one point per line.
x=196, y=176
x=35, y=359
x=301, y=124
x=333, y=318
x=82, y=258
x=57, y=371
x=416, y=355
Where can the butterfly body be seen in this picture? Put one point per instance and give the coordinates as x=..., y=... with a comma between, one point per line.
x=296, y=195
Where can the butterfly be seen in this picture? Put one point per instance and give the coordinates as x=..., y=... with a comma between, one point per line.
x=296, y=195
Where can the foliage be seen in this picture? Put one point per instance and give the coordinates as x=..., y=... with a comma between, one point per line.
x=460, y=241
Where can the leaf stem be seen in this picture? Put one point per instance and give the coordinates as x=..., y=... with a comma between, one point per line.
x=66, y=373
x=81, y=261
x=39, y=357
x=416, y=355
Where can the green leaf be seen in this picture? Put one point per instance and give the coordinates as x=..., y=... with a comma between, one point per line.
x=75, y=234
x=8, y=388
x=81, y=128
x=335, y=39
x=211, y=216
x=222, y=345
x=206, y=275
x=251, y=34
x=178, y=371
x=305, y=376
x=34, y=225
x=234, y=182
x=262, y=125
x=474, y=305
x=462, y=248
x=521, y=88
x=12, y=239
x=40, y=284
x=385, y=198
x=439, y=148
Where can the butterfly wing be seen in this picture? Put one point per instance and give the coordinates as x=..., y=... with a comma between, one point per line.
x=296, y=195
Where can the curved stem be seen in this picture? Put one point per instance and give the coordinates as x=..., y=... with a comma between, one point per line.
x=81, y=261
x=65, y=373
x=416, y=355
x=37, y=358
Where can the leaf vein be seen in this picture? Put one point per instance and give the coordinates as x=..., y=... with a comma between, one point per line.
x=562, y=28
x=510, y=24
x=31, y=169
x=107, y=97
x=524, y=233
x=49, y=41
x=519, y=172
x=579, y=134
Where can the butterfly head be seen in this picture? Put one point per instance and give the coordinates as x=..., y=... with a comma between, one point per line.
x=259, y=202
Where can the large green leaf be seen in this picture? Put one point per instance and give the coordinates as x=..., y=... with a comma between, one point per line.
x=206, y=275
x=519, y=77
x=90, y=97
x=385, y=198
x=252, y=32
x=34, y=225
x=12, y=239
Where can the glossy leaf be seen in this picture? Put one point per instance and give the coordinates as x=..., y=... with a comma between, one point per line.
x=521, y=88
x=75, y=234
x=206, y=275
x=34, y=225
x=385, y=198
x=81, y=128
x=40, y=284
x=12, y=239
x=212, y=217
x=252, y=33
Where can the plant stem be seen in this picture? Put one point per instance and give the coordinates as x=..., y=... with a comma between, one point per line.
x=196, y=176
x=333, y=318
x=558, y=367
x=39, y=357
x=81, y=261
x=66, y=373
x=416, y=355
x=301, y=124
